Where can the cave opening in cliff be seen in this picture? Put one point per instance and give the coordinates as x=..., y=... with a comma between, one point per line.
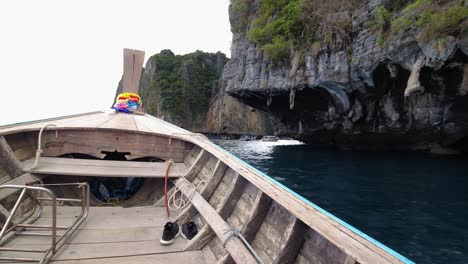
x=446, y=80
x=312, y=100
x=390, y=80
x=452, y=77
x=430, y=80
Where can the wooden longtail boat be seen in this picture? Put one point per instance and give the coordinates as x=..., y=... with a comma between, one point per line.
x=243, y=216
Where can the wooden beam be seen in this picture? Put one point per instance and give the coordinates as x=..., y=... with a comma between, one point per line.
x=203, y=237
x=133, y=64
x=209, y=188
x=257, y=214
x=254, y=220
x=190, y=173
x=224, y=210
x=8, y=160
x=233, y=245
x=291, y=244
x=197, y=165
x=232, y=196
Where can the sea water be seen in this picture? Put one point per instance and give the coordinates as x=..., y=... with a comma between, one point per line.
x=414, y=203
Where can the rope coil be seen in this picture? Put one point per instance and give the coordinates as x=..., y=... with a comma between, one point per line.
x=180, y=201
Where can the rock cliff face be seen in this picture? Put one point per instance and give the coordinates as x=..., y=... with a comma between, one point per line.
x=188, y=91
x=401, y=94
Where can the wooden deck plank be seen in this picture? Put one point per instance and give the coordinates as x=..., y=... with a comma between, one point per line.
x=104, y=120
x=96, y=236
x=110, y=222
x=121, y=121
x=187, y=257
x=114, y=211
x=103, y=168
x=36, y=125
x=107, y=250
x=92, y=121
x=108, y=232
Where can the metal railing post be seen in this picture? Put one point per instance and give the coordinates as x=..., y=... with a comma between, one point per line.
x=13, y=211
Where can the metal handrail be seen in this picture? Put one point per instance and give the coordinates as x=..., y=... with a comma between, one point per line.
x=56, y=244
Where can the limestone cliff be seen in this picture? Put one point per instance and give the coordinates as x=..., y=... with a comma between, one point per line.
x=357, y=74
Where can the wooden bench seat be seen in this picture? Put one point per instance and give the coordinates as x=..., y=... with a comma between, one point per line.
x=103, y=168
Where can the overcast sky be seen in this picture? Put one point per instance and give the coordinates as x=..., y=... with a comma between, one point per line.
x=63, y=57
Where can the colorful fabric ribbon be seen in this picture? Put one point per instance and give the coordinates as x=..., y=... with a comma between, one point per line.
x=127, y=102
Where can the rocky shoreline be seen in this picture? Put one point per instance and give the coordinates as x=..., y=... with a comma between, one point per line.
x=402, y=95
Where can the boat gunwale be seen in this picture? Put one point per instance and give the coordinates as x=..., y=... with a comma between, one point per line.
x=242, y=168
x=300, y=198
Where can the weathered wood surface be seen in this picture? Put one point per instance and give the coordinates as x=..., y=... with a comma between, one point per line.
x=234, y=246
x=248, y=215
x=21, y=180
x=317, y=249
x=197, y=165
x=103, y=168
x=188, y=257
x=97, y=142
x=111, y=232
x=133, y=64
x=353, y=244
x=94, y=120
x=23, y=145
x=37, y=124
x=8, y=161
x=224, y=209
x=206, y=192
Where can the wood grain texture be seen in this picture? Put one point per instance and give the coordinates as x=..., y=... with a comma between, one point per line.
x=133, y=64
x=37, y=124
x=353, y=244
x=317, y=249
x=103, y=168
x=197, y=165
x=21, y=180
x=291, y=242
x=8, y=161
x=234, y=246
x=202, y=238
x=187, y=257
x=346, y=240
x=206, y=192
x=94, y=142
x=142, y=123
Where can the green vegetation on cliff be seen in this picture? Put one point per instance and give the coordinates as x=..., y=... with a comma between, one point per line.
x=280, y=27
x=433, y=19
x=182, y=84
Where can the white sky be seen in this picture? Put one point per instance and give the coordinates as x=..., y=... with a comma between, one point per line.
x=64, y=57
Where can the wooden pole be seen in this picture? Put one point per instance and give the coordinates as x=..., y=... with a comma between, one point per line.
x=133, y=64
x=8, y=160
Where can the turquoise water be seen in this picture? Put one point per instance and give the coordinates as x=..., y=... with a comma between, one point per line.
x=417, y=204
